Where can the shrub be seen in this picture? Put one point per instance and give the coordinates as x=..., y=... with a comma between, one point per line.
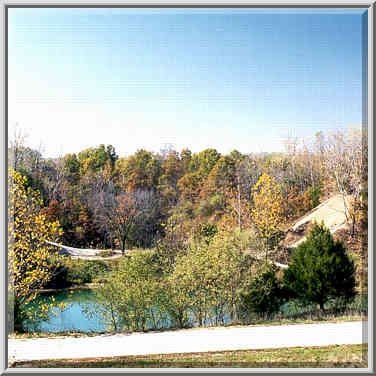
x=172, y=244
x=107, y=253
x=314, y=196
x=208, y=280
x=59, y=278
x=176, y=302
x=85, y=271
x=265, y=294
x=208, y=231
x=131, y=294
x=320, y=269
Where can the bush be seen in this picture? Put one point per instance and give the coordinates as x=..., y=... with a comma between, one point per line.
x=207, y=281
x=320, y=269
x=265, y=294
x=208, y=231
x=314, y=196
x=85, y=271
x=131, y=295
x=59, y=277
x=107, y=253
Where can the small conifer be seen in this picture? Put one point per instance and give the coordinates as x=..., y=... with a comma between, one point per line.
x=320, y=269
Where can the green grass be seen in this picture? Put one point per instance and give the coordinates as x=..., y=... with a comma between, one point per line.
x=77, y=272
x=334, y=356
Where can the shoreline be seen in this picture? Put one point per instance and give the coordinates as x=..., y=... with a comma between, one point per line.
x=86, y=286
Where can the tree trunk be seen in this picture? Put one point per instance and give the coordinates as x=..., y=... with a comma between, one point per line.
x=239, y=205
x=123, y=246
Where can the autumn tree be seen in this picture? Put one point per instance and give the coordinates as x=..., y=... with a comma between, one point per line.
x=221, y=178
x=204, y=161
x=172, y=170
x=140, y=171
x=267, y=213
x=87, y=230
x=346, y=160
x=28, y=252
x=185, y=156
x=190, y=186
x=94, y=159
x=117, y=214
x=238, y=209
x=211, y=202
x=17, y=147
x=120, y=213
x=53, y=211
x=199, y=167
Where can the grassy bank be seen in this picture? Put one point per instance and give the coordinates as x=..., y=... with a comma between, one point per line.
x=334, y=356
x=323, y=320
x=79, y=272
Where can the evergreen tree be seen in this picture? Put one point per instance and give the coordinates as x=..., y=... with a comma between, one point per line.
x=265, y=294
x=320, y=269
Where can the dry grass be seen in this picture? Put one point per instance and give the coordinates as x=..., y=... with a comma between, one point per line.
x=334, y=356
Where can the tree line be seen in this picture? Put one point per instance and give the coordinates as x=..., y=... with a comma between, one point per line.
x=105, y=201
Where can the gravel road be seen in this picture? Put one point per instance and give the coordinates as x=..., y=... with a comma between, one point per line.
x=189, y=340
x=87, y=254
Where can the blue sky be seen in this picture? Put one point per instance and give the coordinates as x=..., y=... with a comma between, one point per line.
x=229, y=79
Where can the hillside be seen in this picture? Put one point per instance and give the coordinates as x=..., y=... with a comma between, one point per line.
x=331, y=212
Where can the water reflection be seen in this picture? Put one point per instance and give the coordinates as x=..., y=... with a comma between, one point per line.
x=72, y=318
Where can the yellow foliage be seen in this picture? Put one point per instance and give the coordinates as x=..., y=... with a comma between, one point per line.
x=28, y=231
x=268, y=210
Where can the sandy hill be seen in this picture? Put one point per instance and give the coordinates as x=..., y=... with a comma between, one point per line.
x=331, y=212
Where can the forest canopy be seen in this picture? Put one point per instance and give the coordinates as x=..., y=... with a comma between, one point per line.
x=103, y=200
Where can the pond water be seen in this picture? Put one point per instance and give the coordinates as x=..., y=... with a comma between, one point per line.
x=75, y=317
x=78, y=301
x=72, y=318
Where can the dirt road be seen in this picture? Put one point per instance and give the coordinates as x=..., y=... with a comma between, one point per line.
x=87, y=254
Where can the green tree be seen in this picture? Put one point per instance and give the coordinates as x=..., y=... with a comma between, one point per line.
x=204, y=161
x=132, y=293
x=320, y=269
x=71, y=168
x=210, y=278
x=94, y=159
x=265, y=293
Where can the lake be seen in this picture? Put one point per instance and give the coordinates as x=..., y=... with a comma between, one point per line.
x=72, y=318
